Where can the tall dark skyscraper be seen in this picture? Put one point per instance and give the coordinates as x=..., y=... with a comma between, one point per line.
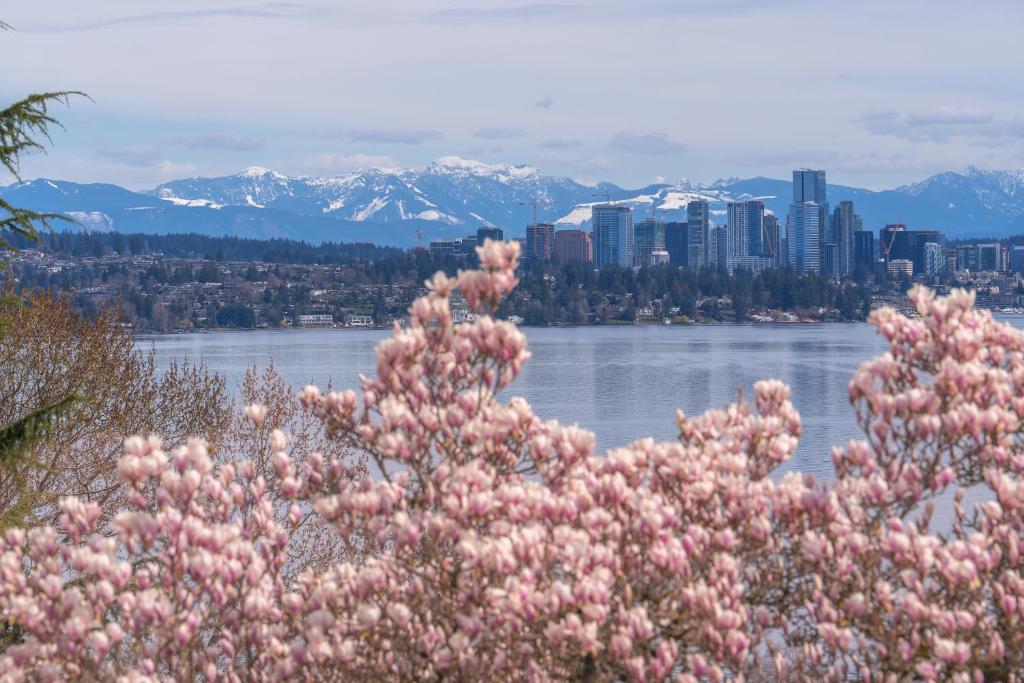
x=809, y=186
x=676, y=242
x=613, y=235
x=863, y=251
x=844, y=222
x=771, y=243
x=698, y=221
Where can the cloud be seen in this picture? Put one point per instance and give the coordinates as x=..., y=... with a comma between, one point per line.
x=139, y=155
x=341, y=163
x=269, y=10
x=398, y=136
x=646, y=144
x=218, y=141
x=545, y=102
x=559, y=143
x=943, y=124
x=466, y=15
x=499, y=133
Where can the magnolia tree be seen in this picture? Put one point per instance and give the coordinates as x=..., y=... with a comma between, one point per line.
x=486, y=542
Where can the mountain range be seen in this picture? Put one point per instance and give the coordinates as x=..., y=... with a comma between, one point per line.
x=453, y=196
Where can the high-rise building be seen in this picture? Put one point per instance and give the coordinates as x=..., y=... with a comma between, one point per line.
x=719, y=247
x=648, y=237
x=919, y=239
x=540, y=241
x=613, y=235
x=745, y=221
x=1017, y=259
x=863, y=251
x=698, y=222
x=803, y=233
x=844, y=224
x=573, y=246
x=676, y=242
x=830, y=259
x=771, y=244
x=894, y=242
x=659, y=257
x=934, y=258
x=809, y=186
x=489, y=232
x=989, y=256
x=440, y=248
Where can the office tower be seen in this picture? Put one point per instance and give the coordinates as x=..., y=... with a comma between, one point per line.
x=1016, y=259
x=809, y=186
x=613, y=235
x=988, y=256
x=466, y=246
x=899, y=267
x=844, y=223
x=698, y=221
x=676, y=242
x=830, y=259
x=489, y=232
x=440, y=248
x=967, y=258
x=934, y=258
x=863, y=250
x=894, y=242
x=746, y=228
x=573, y=246
x=540, y=241
x=803, y=232
x=648, y=237
x=771, y=245
x=719, y=247
x=919, y=239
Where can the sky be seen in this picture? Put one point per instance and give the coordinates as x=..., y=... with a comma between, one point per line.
x=877, y=93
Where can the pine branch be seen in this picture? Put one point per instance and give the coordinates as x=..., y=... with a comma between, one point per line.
x=23, y=222
x=26, y=124
x=19, y=436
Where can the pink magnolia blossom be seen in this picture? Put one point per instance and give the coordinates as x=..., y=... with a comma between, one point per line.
x=500, y=545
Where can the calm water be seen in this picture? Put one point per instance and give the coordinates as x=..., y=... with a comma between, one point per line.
x=620, y=382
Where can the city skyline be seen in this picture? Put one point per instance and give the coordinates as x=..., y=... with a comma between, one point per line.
x=319, y=89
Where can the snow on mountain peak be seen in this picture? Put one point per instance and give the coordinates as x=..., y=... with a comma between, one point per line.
x=503, y=172
x=259, y=172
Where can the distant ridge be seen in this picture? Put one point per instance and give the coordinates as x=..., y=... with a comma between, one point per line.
x=453, y=196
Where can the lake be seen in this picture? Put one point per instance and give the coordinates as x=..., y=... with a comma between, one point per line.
x=621, y=382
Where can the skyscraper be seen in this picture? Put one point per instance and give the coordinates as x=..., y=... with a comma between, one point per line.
x=648, y=237
x=809, y=186
x=863, y=251
x=676, y=242
x=803, y=235
x=771, y=245
x=698, y=220
x=573, y=246
x=540, y=241
x=844, y=223
x=613, y=235
x=745, y=222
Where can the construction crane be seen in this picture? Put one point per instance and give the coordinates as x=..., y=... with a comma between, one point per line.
x=419, y=236
x=534, y=204
x=607, y=196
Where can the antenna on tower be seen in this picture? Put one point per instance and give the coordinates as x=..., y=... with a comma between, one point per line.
x=419, y=236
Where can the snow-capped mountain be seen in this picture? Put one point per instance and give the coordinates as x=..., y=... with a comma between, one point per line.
x=454, y=196
x=450, y=191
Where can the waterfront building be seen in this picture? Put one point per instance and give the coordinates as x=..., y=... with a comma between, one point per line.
x=613, y=235
x=698, y=223
x=573, y=246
